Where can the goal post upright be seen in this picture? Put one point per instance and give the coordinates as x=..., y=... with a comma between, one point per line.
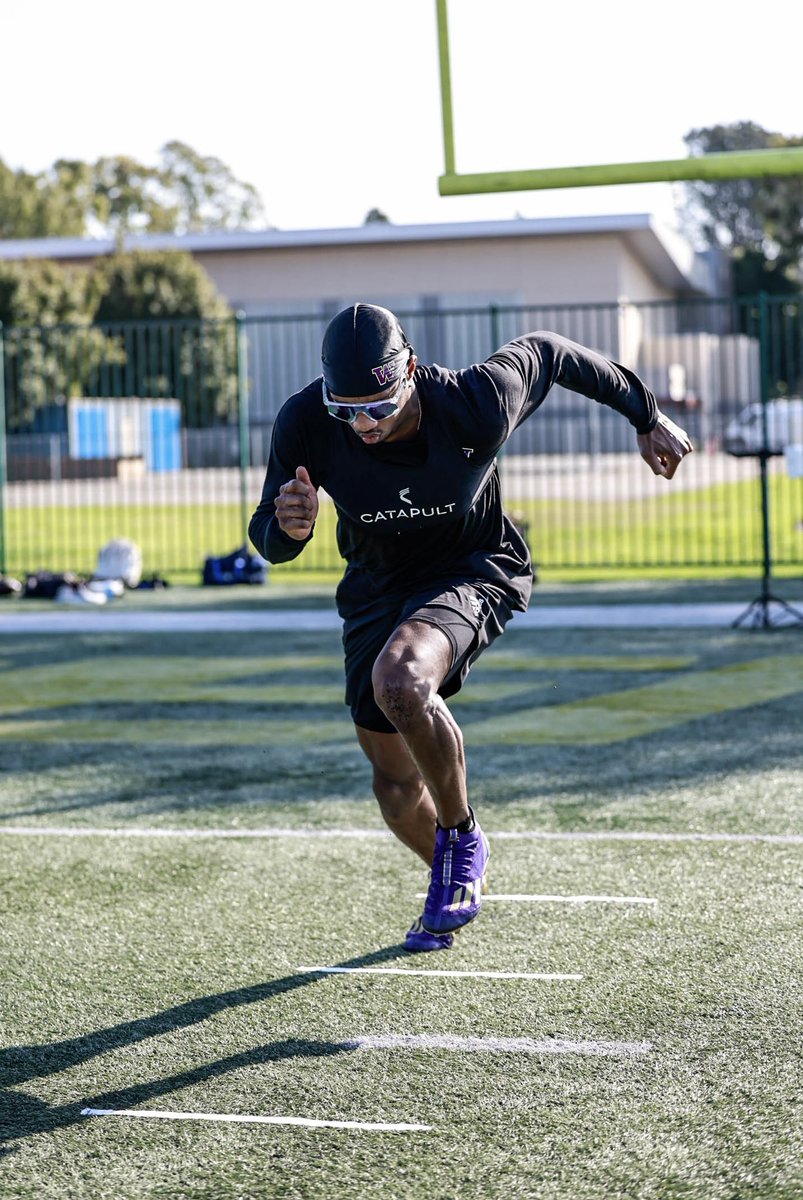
x=733, y=164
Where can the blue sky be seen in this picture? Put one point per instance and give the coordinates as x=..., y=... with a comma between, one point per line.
x=331, y=107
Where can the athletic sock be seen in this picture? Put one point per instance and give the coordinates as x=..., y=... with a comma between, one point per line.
x=465, y=826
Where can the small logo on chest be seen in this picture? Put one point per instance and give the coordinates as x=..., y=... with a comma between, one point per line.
x=396, y=514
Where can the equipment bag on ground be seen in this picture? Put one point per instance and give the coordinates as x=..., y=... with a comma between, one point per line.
x=238, y=567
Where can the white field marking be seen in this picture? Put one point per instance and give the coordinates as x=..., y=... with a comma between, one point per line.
x=519, y=897
x=145, y=831
x=514, y=1045
x=593, y=616
x=306, y=1122
x=509, y=835
x=449, y=974
x=120, y=621
x=625, y=835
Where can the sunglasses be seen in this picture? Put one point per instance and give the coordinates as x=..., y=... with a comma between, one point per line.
x=377, y=410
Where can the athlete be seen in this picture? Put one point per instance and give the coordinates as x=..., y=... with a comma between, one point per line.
x=434, y=568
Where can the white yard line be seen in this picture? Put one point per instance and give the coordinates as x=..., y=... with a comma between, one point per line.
x=529, y=835
x=623, y=835
x=115, y=619
x=145, y=831
x=243, y=1119
x=507, y=1045
x=446, y=974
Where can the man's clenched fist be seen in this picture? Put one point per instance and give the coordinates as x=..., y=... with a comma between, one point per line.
x=297, y=506
x=664, y=448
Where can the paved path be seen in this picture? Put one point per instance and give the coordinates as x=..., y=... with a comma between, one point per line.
x=115, y=619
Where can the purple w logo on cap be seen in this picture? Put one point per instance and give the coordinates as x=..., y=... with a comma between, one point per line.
x=387, y=372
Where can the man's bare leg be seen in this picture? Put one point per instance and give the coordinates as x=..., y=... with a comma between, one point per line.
x=404, y=801
x=406, y=677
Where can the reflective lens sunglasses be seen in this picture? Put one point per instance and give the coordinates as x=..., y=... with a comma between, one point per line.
x=377, y=410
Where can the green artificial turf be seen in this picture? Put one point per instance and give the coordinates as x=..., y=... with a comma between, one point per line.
x=250, y=728
x=163, y=972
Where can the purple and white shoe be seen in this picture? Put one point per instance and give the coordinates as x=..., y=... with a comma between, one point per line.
x=418, y=939
x=459, y=866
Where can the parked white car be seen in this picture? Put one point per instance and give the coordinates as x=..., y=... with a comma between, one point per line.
x=784, y=427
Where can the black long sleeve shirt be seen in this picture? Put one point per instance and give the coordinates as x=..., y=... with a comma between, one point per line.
x=413, y=512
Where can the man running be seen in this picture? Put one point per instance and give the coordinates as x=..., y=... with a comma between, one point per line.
x=434, y=567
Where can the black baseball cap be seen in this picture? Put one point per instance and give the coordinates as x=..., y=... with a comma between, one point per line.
x=364, y=351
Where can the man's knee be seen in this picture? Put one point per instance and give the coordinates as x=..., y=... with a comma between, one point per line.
x=409, y=671
x=401, y=688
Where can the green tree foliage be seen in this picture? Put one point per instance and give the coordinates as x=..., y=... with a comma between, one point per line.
x=36, y=206
x=127, y=198
x=51, y=349
x=375, y=216
x=38, y=292
x=146, y=323
x=147, y=285
x=760, y=221
x=173, y=330
x=204, y=194
x=184, y=192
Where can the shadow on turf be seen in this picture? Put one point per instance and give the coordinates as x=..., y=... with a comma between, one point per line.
x=23, y=1116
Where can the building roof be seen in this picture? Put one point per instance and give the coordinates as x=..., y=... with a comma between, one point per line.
x=670, y=258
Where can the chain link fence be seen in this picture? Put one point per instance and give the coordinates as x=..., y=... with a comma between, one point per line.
x=159, y=432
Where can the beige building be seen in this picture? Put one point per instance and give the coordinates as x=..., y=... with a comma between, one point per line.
x=565, y=261
x=549, y=261
x=622, y=284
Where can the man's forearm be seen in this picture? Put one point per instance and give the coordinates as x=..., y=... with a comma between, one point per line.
x=270, y=541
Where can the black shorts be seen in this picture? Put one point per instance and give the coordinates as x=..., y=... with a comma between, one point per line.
x=471, y=613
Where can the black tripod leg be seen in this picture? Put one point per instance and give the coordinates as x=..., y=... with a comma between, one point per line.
x=759, y=614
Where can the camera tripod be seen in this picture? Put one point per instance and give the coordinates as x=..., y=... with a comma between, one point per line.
x=759, y=613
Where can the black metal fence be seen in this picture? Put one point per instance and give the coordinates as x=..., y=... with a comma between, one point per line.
x=159, y=432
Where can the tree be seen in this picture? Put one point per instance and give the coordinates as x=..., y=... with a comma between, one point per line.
x=35, y=206
x=759, y=221
x=38, y=292
x=204, y=193
x=146, y=285
x=185, y=192
x=147, y=324
x=375, y=216
x=173, y=330
x=50, y=348
x=126, y=198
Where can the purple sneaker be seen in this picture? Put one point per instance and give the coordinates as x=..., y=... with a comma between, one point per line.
x=458, y=877
x=417, y=939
